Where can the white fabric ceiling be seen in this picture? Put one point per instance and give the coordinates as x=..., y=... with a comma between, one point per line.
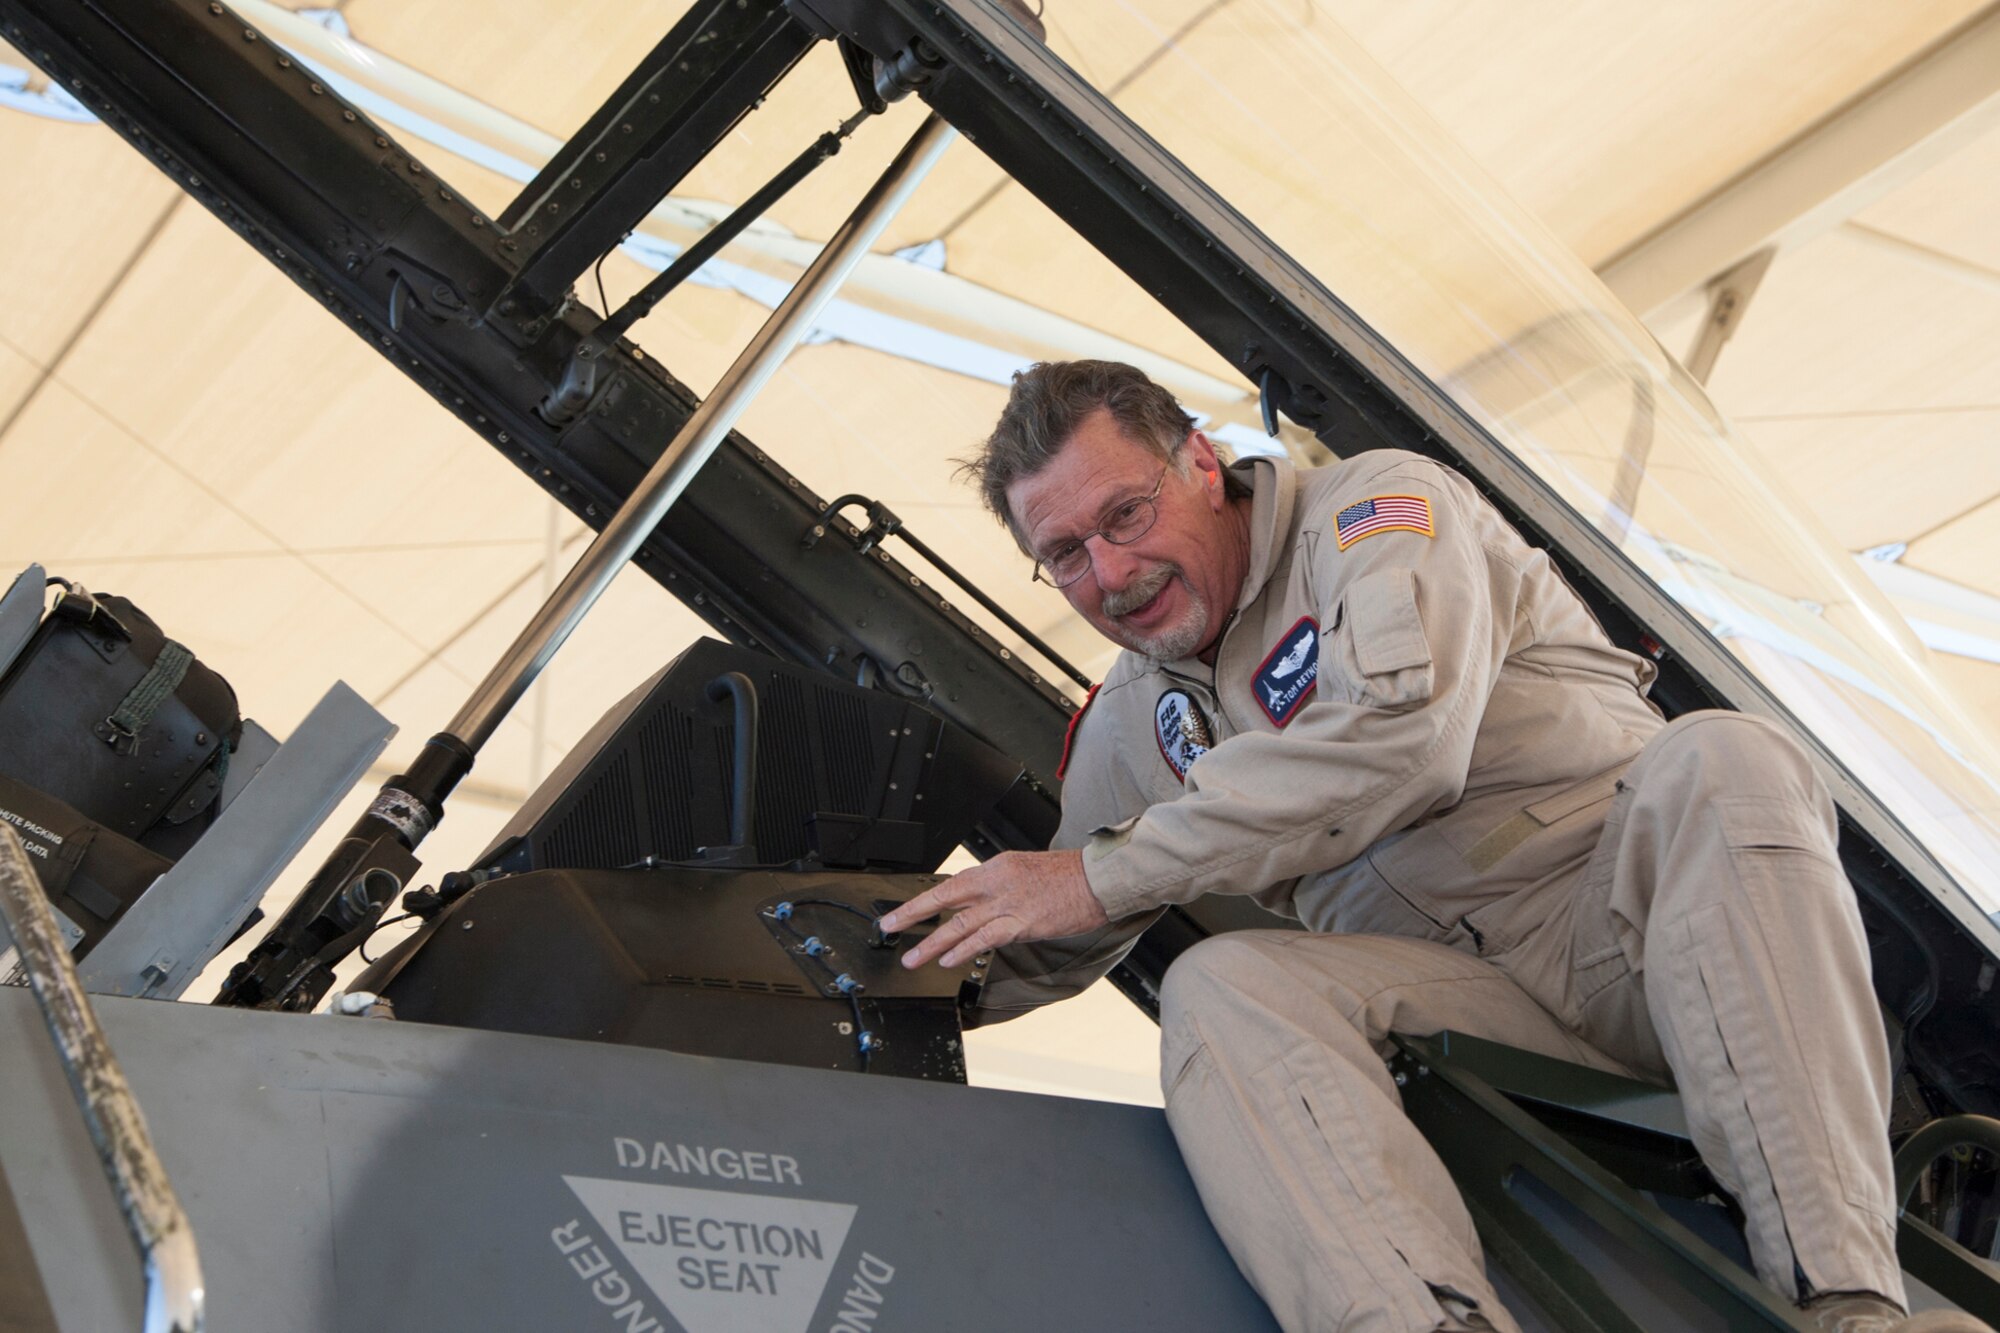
x=180, y=425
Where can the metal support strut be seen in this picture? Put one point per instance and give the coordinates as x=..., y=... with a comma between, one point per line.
x=152, y=1212
x=292, y=966
x=631, y=525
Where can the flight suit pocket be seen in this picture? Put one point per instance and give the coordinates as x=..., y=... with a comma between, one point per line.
x=1386, y=658
x=1759, y=962
x=1756, y=823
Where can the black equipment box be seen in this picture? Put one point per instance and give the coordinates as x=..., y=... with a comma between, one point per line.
x=105, y=713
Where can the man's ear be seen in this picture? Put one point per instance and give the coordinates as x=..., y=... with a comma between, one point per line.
x=1208, y=466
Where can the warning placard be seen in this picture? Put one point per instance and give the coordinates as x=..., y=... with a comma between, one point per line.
x=722, y=1262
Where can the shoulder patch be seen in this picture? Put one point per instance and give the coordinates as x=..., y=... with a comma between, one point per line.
x=1383, y=513
x=1069, y=732
x=1287, y=677
x=1181, y=730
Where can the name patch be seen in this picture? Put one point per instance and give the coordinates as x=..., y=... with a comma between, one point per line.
x=1182, y=731
x=1289, y=674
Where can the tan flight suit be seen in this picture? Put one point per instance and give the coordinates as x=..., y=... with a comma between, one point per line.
x=1486, y=827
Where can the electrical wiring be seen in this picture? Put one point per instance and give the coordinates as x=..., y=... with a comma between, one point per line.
x=811, y=946
x=385, y=921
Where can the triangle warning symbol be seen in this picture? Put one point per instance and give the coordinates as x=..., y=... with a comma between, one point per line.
x=722, y=1262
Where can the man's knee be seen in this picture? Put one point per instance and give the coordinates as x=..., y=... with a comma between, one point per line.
x=1703, y=756
x=1222, y=968
x=1740, y=786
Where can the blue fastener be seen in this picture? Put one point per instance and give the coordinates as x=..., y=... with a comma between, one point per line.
x=814, y=946
x=846, y=984
x=783, y=911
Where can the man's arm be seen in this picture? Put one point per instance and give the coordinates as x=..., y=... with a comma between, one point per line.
x=1100, y=789
x=1414, y=629
x=1411, y=643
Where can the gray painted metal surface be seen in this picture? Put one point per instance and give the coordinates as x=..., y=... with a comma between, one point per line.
x=355, y=1174
x=254, y=748
x=187, y=915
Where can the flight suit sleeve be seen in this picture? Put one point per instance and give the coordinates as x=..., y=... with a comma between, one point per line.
x=1414, y=629
x=1098, y=792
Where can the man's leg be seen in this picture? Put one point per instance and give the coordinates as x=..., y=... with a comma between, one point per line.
x=1725, y=894
x=1332, y=1203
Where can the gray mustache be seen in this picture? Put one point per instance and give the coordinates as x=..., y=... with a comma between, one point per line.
x=1137, y=594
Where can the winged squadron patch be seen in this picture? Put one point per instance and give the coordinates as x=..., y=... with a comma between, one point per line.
x=1289, y=674
x=1383, y=513
x=1182, y=731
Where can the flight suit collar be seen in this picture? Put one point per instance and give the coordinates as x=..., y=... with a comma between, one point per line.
x=1274, y=491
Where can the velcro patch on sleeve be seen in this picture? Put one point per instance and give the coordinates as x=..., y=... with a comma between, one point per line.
x=1383, y=513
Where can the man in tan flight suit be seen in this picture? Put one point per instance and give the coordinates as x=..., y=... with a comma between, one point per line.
x=1355, y=694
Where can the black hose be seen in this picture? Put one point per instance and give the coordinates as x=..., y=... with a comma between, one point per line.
x=742, y=691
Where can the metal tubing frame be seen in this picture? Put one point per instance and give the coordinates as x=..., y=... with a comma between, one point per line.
x=628, y=529
x=1936, y=1139
x=146, y=1199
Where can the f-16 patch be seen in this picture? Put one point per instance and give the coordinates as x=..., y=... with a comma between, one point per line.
x=1383, y=513
x=1182, y=731
x=1289, y=673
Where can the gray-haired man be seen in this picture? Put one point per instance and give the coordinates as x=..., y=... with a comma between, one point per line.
x=1356, y=695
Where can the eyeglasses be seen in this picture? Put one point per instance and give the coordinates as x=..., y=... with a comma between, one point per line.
x=1123, y=525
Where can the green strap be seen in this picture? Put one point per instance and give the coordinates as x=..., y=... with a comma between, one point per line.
x=160, y=680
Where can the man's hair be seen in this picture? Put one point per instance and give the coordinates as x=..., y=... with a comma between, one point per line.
x=1049, y=400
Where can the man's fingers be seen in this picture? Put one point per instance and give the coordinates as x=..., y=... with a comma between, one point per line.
x=996, y=932
x=920, y=908
x=940, y=939
x=944, y=894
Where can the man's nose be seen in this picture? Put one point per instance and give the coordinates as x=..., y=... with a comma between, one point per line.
x=1112, y=565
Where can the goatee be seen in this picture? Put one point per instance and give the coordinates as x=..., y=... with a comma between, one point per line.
x=1171, y=642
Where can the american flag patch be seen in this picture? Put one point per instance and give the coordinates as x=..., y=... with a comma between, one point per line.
x=1383, y=513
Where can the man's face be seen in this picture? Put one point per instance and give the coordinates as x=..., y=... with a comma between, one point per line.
x=1166, y=594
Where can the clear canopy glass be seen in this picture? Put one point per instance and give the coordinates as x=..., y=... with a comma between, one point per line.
x=1342, y=170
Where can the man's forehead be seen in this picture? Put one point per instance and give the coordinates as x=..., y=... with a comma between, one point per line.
x=1094, y=467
